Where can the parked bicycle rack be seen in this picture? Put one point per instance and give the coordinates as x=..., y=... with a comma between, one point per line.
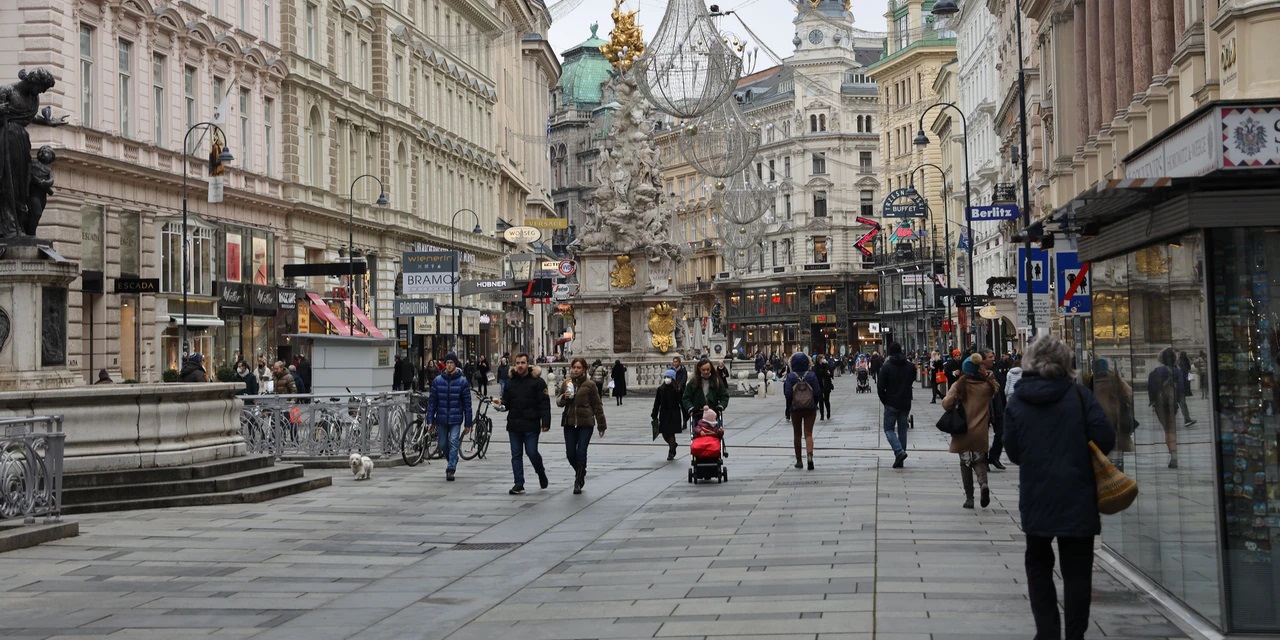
x=325, y=426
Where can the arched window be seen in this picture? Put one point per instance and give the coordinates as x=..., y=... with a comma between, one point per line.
x=859, y=124
x=314, y=159
x=813, y=123
x=822, y=122
x=868, y=124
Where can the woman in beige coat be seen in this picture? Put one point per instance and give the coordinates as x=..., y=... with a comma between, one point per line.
x=1116, y=397
x=974, y=390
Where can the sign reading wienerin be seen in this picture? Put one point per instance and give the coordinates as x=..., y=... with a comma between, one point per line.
x=428, y=272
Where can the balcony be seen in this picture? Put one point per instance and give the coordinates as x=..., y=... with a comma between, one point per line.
x=908, y=255
x=1005, y=193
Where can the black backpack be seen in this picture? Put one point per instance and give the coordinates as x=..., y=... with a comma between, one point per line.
x=802, y=398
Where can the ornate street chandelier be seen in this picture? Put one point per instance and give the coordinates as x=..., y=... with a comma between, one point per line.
x=742, y=198
x=722, y=142
x=740, y=235
x=742, y=259
x=688, y=69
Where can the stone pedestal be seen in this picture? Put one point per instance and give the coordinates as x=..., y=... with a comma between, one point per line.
x=598, y=305
x=33, y=318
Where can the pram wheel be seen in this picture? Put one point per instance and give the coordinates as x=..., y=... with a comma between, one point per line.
x=724, y=475
x=691, y=478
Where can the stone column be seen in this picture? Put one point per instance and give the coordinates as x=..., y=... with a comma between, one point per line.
x=1179, y=21
x=1093, y=70
x=1124, y=54
x=1140, y=29
x=1107, y=70
x=1161, y=36
x=1082, y=72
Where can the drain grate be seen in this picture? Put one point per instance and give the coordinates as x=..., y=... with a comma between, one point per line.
x=487, y=546
x=796, y=483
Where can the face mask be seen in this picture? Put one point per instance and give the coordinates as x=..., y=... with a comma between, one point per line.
x=666, y=381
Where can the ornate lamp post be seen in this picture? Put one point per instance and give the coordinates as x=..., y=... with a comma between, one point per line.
x=457, y=260
x=224, y=157
x=946, y=218
x=351, y=256
x=923, y=140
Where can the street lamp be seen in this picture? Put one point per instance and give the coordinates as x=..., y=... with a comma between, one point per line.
x=922, y=140
x=351, y=255
x=946, y=218
x=224, y=157
x=950, y=8
x=457, y=260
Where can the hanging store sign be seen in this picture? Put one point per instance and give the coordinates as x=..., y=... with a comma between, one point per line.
x=471, y=287
x=993, y=212
x=523, y=235
x=547, y=223
x=410, y=307
x=287, y=299
x=428, y=272
x=425, y=325
x=904, y=203
x=262, y=301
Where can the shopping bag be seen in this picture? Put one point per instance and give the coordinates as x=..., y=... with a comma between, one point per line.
x=1116, y=491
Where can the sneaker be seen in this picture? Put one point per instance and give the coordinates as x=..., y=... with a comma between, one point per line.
x=1189, y=422
x=542, y=479
x=995, y=464
x=898, y=459
x=986, y=497
x=448, y=475
x=517, y=490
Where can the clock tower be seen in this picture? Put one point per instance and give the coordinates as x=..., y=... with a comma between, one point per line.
x=822, y=25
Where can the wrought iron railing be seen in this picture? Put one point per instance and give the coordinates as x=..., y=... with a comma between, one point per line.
x=1005, y=193
x=325, y=426
x=31, y=452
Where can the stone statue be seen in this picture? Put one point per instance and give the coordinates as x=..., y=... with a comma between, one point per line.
x=41, y=188
x=19, y=107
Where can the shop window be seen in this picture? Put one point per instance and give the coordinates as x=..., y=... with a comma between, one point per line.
x=823, y=298
x=201, y=267
x=869, y=297
x=820, y=249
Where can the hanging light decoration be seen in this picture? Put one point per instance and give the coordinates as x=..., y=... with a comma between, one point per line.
x=740, y=235
x=688, y=69
x=722, y=142
x=742, y=198
x=741, y=259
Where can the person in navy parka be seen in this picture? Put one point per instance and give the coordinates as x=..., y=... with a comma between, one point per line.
x=449, y=408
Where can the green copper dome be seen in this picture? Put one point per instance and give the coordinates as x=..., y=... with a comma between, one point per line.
x=584, y=73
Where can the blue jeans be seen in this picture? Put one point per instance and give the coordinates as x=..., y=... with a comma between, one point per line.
x=524, y=442
x=455, y=443
x=894, y=416
x=576, y=440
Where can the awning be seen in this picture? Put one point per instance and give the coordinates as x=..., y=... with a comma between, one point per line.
x=1111, y=199
x=193, y=320
x=321, y=309
x=363, y=320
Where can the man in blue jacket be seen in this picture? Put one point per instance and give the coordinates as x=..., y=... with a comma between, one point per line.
x=449, y=408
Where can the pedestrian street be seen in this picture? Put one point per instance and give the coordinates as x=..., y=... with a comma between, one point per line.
x=853, y=549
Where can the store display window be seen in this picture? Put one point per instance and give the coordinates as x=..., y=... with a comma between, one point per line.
x=1246, y=310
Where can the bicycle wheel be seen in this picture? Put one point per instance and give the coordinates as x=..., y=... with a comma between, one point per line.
x=437, y=447
x=470, y=447
x=484, y=436
x=414, y=443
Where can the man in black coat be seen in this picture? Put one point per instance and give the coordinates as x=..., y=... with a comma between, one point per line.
x=528, y=416
x=894, y=388
x=304, y=371
x=952, y=368
x=682, y=376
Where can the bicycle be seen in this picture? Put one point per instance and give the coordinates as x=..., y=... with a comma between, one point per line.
x=475, y=442
x=419, y=442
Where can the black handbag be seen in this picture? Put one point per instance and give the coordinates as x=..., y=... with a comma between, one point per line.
x=954, y=421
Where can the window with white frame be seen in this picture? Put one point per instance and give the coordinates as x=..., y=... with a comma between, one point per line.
x=820, y=249
x=244, y=15
x=158, y=115
x=820, y=204
x=87, y=37
x=246, y=132
x=864, y=161
x=866, y=203
x=820, y=163
x=189, y=94
x=124, y=111
x=268, y=134
x=200, y=270
x=786, y=167
x=348, y=56
x=219, y=95
x=398, y=81
x=312, y=17
x=786, y=204
x=363, y=73
x=266, y=21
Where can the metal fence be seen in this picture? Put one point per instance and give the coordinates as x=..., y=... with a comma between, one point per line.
x=31, y=452
x=325, y=426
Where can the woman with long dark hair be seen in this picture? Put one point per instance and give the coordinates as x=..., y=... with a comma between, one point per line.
x=705, y=390
x=580, y=398
x=668, y=414
x=619, y=377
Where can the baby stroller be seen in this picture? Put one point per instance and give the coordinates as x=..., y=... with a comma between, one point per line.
x=864, y=384
x=707, y=450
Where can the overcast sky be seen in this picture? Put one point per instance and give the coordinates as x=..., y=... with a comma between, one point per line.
x=770, y=19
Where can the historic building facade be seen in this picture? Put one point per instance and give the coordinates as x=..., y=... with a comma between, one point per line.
x=311, y=96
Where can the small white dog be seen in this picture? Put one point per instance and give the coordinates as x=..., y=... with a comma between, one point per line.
x=361, y=466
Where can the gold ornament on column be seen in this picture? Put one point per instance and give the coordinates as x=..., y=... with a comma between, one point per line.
x=626, y=43
x=662, y=324
x=622, y=275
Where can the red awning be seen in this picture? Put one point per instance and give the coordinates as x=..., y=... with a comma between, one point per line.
x=363, y=320
x=321, y=309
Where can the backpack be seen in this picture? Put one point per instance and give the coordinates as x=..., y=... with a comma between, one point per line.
x=802, y=398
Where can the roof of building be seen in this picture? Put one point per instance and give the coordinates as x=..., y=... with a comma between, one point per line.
x=584, y=72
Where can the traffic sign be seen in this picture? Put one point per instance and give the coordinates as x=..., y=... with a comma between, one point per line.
x=522, y=234
x=567, y=267
x=1039, y=271
x=993, y=212
x=1074, y=293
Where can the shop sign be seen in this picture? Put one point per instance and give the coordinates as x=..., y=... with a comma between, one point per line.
x=1002, y=287
x=547, y=223
x=304, y=319
x=384, y=356
x=821, y=266
x=993, y=212
x=1250, y=137
x=230, y=298
x=262, y=301
x=137, y=285
x=286, y=299
x=913, y=278
x=425, y=325
x=824, y=318
x=913, y=207
x=1185, y=154
x=471, y=287
x=428, y=272
x=523, y=235
x=411, y=307
x=873, y=327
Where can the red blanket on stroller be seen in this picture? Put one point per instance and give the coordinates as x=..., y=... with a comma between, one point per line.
x=705, y=447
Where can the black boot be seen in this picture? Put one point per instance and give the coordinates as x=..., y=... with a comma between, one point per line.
x=811, y=462
x=580, y=479
x=966, y=478
x=799, y=462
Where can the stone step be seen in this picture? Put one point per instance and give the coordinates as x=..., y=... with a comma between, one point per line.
x=259, y=493
x=195, y=471
x=217, y=484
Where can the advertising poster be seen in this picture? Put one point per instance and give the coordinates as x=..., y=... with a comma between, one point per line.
x=234, y=258
x=260, y=261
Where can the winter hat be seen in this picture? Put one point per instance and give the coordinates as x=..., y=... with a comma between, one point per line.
x=972, y=364
x=955, y=353
x=197, y=358
x=669, y=373
x=454, y=357
x=799, y=362
x=710, y=416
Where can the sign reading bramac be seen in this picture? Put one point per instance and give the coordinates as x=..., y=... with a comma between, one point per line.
x=904, y=203
x=428, y=272
x=411, y=307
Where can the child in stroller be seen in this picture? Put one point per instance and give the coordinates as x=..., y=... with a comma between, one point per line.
x=863, y=368
x=707, y=450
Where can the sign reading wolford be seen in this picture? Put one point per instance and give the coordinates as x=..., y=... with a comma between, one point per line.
x=428, y=272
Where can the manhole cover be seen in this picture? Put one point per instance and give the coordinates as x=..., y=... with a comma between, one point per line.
x=486, y=546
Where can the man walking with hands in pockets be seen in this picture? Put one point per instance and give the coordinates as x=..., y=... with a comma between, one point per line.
x=528, y=416
x=448, y=408
x=893, y=385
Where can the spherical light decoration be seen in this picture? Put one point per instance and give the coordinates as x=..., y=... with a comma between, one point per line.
x=742, y=259
x=744, y=198
x=722, y=142
x=687, y=70
x=740, y=235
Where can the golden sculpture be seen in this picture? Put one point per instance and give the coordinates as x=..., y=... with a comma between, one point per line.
x=662, y=324
x=626, y=43
x=622, y=275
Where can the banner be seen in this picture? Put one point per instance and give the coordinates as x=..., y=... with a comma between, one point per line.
x=260, y=275
x=234, y=258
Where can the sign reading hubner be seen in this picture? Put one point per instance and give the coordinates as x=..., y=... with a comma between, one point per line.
x=428, y=272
